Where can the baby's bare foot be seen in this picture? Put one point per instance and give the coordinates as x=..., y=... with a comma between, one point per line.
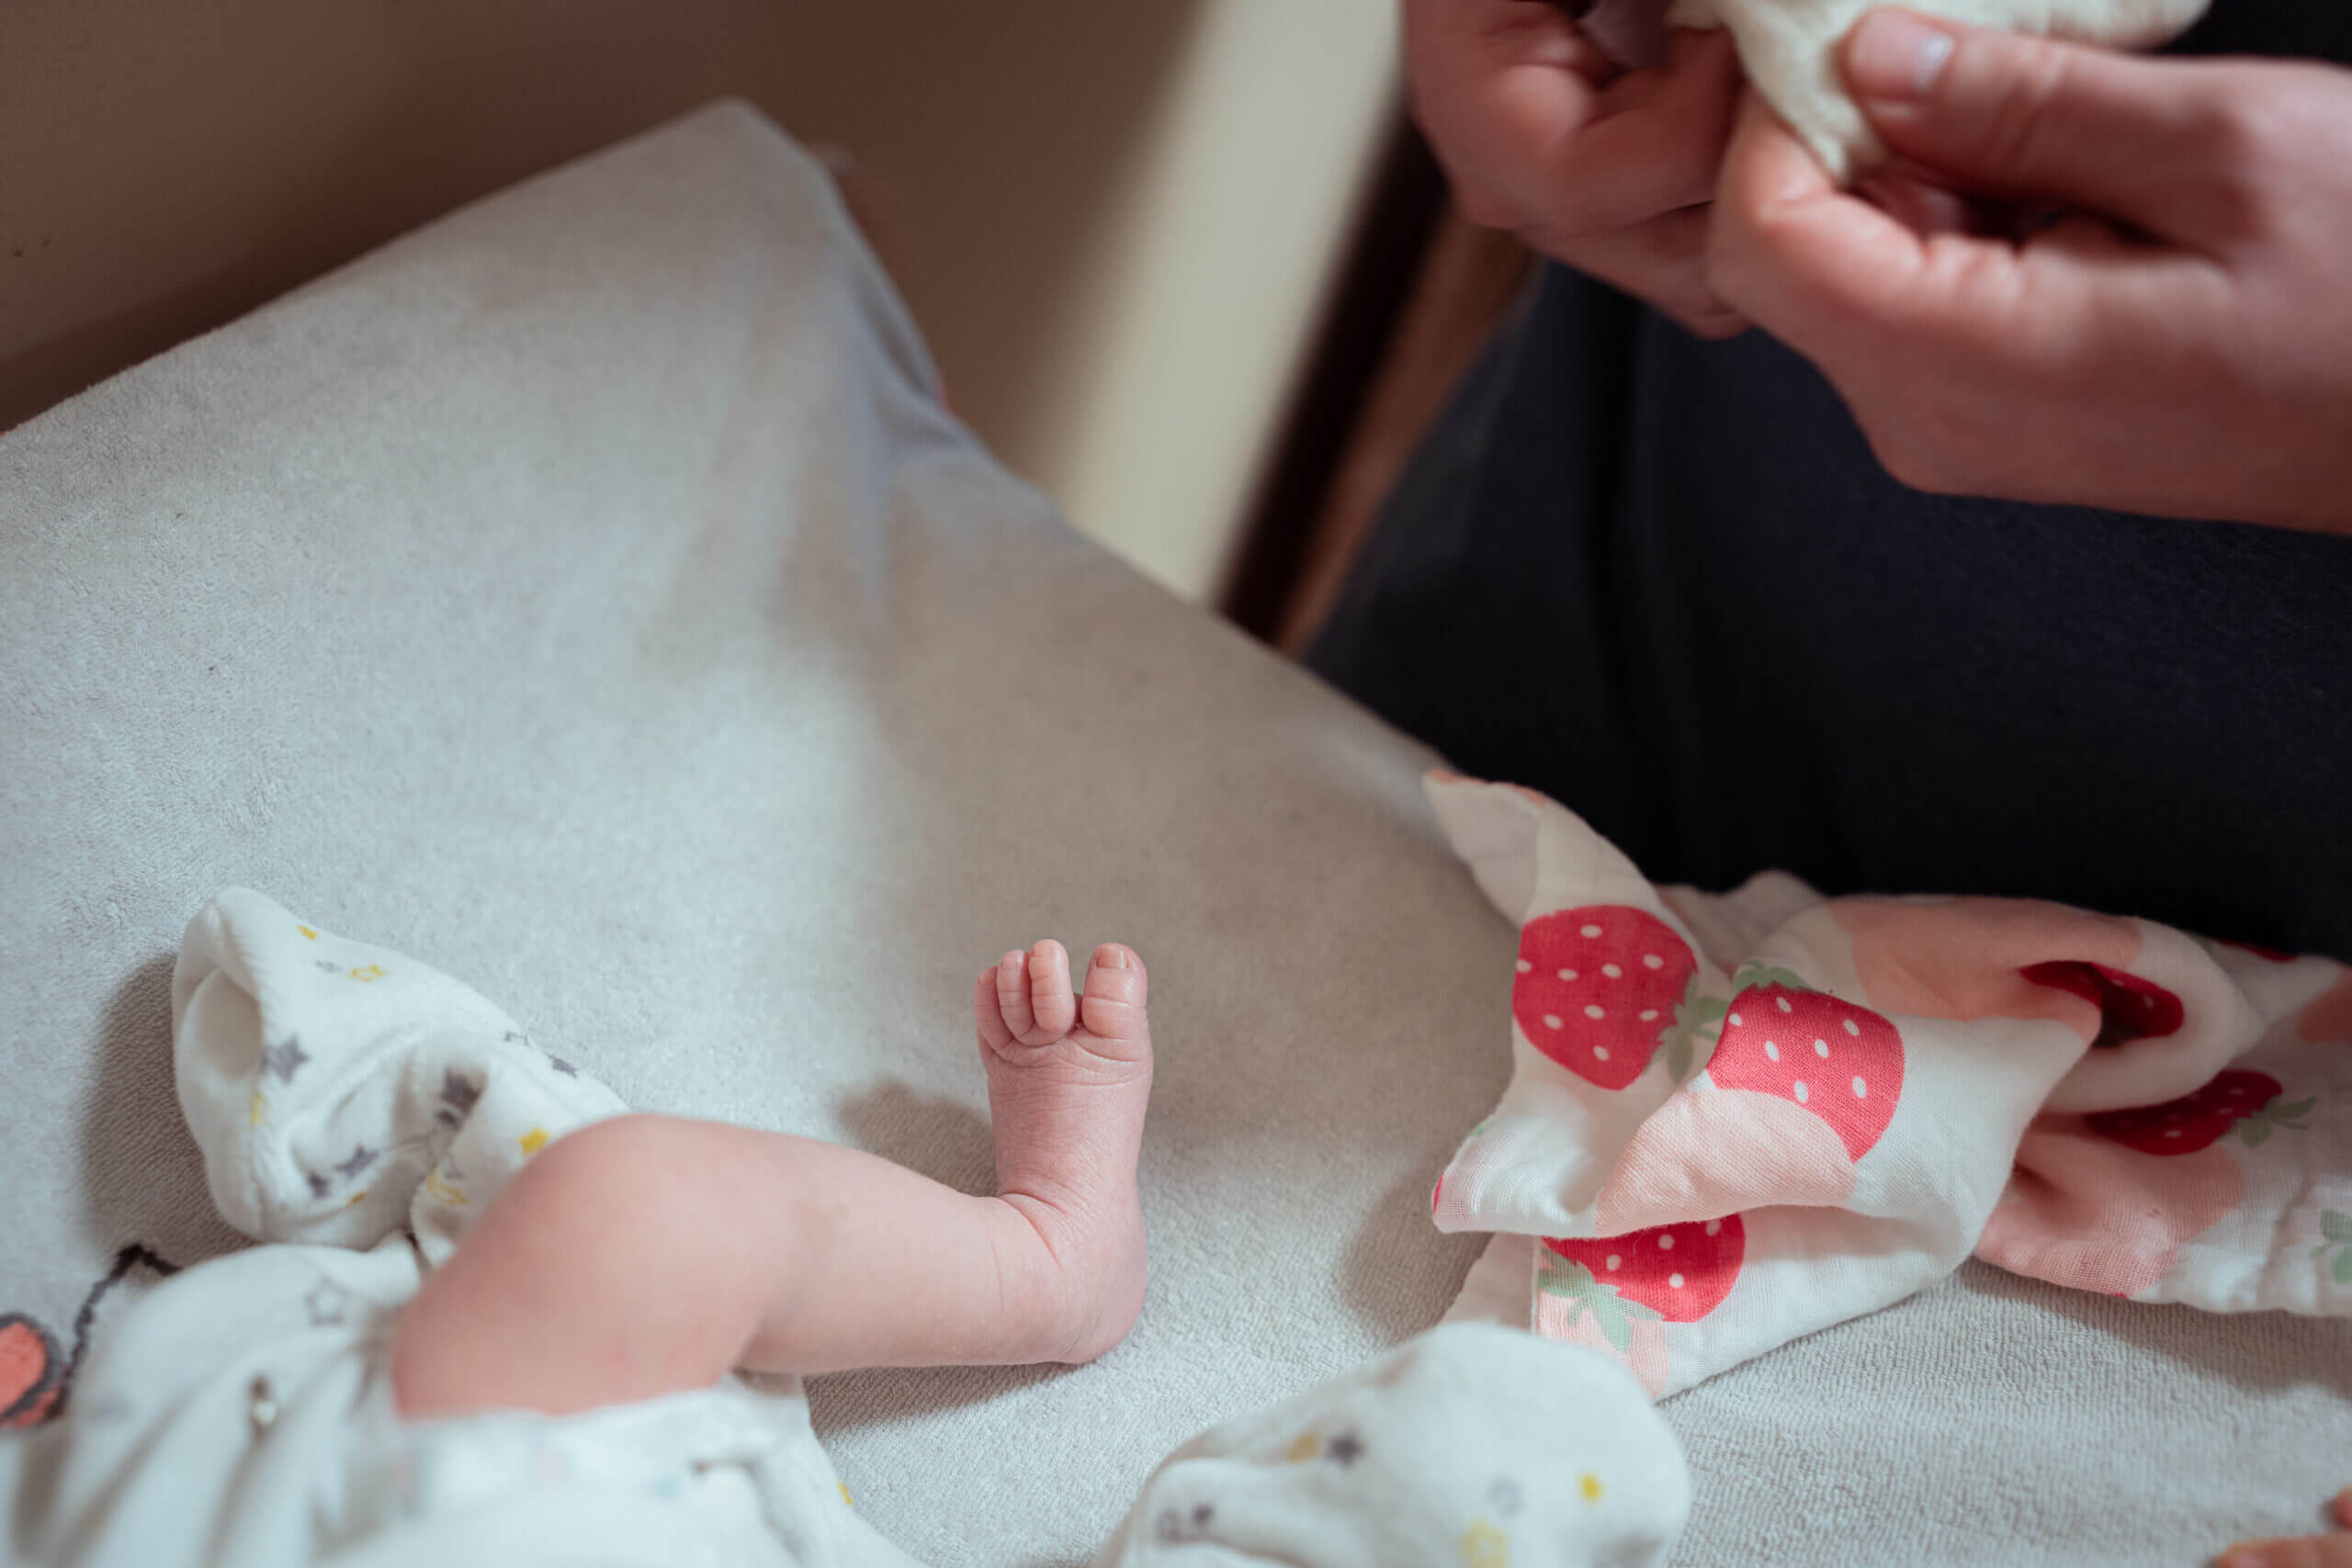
x=1069, y=1077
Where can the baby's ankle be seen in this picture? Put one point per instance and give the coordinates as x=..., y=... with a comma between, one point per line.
x=1087, y=1275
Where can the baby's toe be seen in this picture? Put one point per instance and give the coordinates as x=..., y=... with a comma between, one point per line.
x=1013, y=1011
x=1053, y=1004
x=1113, y=1009
x=989, y=1013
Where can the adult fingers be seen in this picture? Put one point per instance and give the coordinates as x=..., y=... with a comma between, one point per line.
x=1795, y=254
x=1539, y=136
x=2151, y=142
x=1495, y=83
x=1663, y=262
x=2311, y=1552
x=1655, y=143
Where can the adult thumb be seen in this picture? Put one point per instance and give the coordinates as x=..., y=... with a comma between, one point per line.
x=2002, y=113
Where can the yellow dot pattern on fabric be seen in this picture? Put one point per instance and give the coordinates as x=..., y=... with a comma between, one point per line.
x=1307, y=1446
x=368, y=974
x=353, y=1201
x=442, y=1190
x=532, y=1142
x=1591, y=1485
x=308, y=934
x=257, y=1110
x=1482, y=1545
x=843, y=1485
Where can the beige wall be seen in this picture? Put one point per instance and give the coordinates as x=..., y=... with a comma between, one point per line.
x=1112, y=217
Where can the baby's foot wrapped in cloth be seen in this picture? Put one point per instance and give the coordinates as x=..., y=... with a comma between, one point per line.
x=341, y=1091
x=1471, y=1446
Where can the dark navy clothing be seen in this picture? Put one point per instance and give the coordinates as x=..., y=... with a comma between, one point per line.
x=1666, y=582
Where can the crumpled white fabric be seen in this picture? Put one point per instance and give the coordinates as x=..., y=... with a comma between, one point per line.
x=1471, y=1445
x=1736, y=1118
x=342, y=1092
x=1789, y=49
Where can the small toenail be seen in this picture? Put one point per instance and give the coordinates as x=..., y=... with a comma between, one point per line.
x=1111, y=958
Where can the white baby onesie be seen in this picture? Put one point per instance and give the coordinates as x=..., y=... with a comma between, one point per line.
x=1789, y=48
x=357, y=1110
x=1472, y=1446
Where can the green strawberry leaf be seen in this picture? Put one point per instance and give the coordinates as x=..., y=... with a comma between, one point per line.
x=1613, y=1314
x=1615, y=1330
x=1691, y=1014
x=1562, y=1277
x=2283, y=1115
x=1754, y=974
x=2334, y=1225
x=2343, y=1269
x=2254, y=1131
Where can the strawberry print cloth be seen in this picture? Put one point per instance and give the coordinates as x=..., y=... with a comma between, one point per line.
x=1734, y=1119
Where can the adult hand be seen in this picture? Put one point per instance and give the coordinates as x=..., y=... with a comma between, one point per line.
x=2178, y=340
x=2309, y=1551
x=1611, y=173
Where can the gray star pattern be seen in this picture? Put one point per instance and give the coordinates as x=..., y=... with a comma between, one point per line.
x=362, y=1156
x=459, y=1091
x=284, y=1060
x=327, y=1302
x=1344, y=1449
x=330, y=966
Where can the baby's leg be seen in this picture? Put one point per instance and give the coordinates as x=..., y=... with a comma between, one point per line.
x=649, y=1254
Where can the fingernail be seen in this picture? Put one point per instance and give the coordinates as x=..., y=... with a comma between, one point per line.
x=1110, y=957
x=1895, y=55
x=2245, y=1557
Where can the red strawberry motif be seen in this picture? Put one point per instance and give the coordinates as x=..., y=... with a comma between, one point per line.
x=1840, y=1061
x=1598, y=985
x=2129, y=1008
x=29, y=1371
x=1677, y=1272
x=2235, y=1098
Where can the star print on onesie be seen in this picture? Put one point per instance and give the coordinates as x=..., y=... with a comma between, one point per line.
x=378, y=1092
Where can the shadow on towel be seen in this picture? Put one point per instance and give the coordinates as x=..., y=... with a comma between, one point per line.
x=940, y=1135
x=2256, y=1351
x=144, y=1177
x=1390, y=1256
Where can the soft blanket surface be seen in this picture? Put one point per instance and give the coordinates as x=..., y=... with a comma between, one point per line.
x=587, y=592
